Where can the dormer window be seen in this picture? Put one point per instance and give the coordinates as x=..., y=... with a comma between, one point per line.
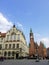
x=18, y=37
x=13, y=36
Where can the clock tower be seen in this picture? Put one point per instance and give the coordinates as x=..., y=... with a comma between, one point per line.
x=31, y=45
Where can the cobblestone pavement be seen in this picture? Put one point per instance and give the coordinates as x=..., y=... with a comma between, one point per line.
x=24, y=62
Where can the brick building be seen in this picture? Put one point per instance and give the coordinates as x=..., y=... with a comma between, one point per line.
x=35, y=49
x=31, y=46
x=48, y=52
x=42, y=50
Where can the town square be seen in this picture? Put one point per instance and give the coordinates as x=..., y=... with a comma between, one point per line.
x=24, y=32
x=24, y=62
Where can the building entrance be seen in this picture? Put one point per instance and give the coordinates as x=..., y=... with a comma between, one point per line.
x=17, y=55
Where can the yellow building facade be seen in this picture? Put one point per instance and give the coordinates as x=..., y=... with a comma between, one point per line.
x=13, y=44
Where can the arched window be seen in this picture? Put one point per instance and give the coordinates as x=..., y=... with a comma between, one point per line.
x=17, y=45
x=18, y=36
x=0, y=46
x=9, y=46
x=7, y=37
x=5, y=53
x=13, y=36
x=13, y=53
x=6, y=46
x=1, y=39
x=9, y=53
x=13, y=46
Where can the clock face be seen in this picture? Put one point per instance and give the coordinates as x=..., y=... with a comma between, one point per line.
x=31, y=37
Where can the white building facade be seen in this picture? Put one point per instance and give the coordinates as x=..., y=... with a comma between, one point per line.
x=13, y=44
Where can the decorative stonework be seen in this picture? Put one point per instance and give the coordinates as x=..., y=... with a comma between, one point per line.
x=8, y=40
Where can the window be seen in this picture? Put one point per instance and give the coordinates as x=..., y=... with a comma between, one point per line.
x=0, y=52
x=8, y=37
x=18, y=38
x=20, y=49
x=9, y=53
x=11, y=37
x=6, y=46
x=0, y=46
x=17, y=45
x=9, y=46
x=13, y=45
x=1, y=39
x=13, y=53
x=14, y=37
x=5, y=53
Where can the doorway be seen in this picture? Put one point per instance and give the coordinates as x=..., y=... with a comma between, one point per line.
x=17, y=55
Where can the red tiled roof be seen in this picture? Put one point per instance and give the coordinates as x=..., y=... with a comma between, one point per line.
x=2, y=34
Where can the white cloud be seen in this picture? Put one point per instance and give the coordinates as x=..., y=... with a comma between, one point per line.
x=19, y=26
x=5, y=25
x=46, y=41
x=39, y=38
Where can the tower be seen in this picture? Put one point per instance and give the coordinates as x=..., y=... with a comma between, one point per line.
x=31, y=47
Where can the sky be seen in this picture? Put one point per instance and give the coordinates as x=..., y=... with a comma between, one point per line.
x=26, y=14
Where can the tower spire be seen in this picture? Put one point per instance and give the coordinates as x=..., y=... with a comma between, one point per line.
x=31, y=33
x=30, y=30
